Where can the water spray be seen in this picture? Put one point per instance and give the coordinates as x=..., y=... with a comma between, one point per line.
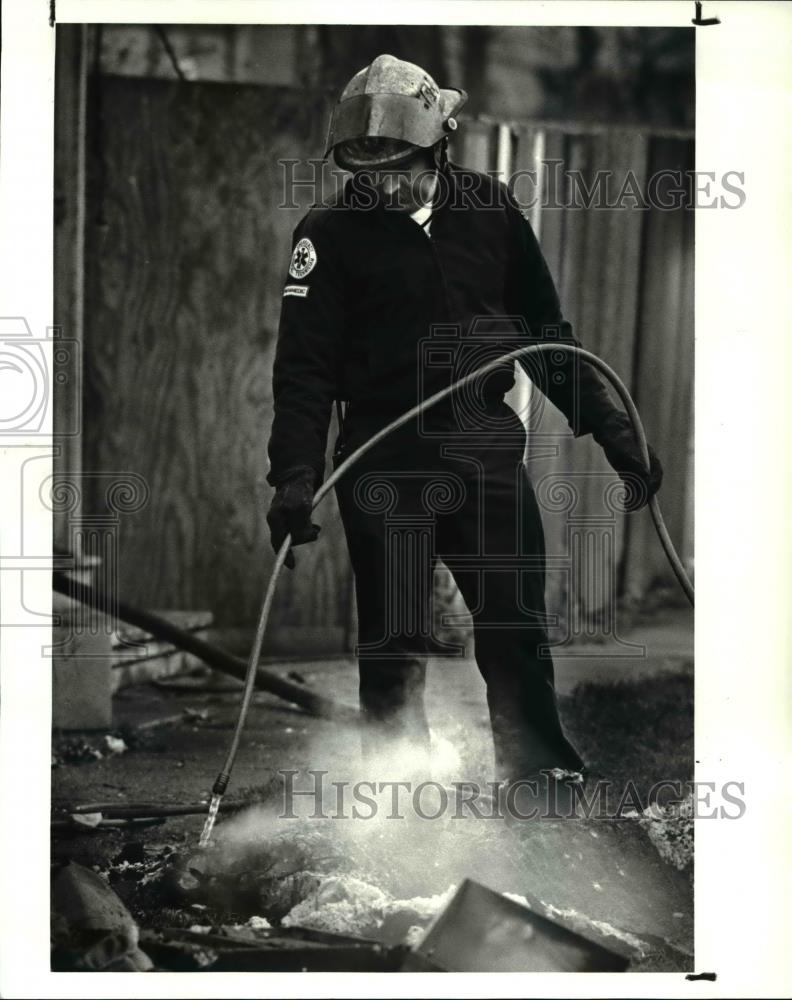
x=223, y=778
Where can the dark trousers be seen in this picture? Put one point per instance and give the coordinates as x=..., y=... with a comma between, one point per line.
x=467, y=500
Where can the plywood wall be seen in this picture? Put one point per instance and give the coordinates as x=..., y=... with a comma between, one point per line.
x=186, y=252
x=625, y=278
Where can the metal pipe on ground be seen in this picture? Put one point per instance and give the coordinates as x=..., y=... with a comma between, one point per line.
x=145, y=810
x=313, y=703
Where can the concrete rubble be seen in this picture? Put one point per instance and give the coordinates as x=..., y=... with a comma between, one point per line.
x=92, y=930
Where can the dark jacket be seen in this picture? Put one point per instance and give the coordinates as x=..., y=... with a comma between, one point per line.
x=368, y=294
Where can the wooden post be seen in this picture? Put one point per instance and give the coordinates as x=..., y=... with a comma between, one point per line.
x=69, y=271
x=81, y=692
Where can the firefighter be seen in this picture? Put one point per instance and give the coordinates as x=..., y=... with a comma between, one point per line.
x=417, y=272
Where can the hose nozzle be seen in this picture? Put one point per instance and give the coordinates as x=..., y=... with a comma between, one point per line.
x=211, y=816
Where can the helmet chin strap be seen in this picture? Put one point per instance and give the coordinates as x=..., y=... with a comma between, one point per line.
x=440, y=153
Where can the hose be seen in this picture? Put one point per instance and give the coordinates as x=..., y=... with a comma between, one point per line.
x=221, y=783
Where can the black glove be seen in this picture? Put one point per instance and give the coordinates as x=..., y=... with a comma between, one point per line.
x=290, y=511
x=617, y=439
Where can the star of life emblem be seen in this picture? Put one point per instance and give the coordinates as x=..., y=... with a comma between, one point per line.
x=303, y=259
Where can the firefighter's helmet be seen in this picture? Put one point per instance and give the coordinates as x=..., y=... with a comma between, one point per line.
x=386, y=111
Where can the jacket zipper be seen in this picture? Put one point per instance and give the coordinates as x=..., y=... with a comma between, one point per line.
x=441, y=272
x=427, y=238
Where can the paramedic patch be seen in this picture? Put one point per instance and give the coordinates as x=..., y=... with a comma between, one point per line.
x=303, y=259
x=299, y=290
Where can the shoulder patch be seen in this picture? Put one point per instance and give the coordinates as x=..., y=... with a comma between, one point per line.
x=299, y=291
x=303, y=259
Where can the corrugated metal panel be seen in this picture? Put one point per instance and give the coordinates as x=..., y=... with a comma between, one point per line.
x=625, y=277
x=626, y=283
x=664, y=372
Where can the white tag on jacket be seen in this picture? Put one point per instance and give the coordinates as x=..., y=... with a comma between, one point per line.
x=300, y=291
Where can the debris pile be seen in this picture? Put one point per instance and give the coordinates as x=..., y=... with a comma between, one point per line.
x=91, y=929
x=670, y=828
x=344, y=904
x=80, y=751
x=137, y=867
x=275, y=891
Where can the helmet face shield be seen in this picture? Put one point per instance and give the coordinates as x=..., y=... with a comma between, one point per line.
x=386, y=116
x=372, y=153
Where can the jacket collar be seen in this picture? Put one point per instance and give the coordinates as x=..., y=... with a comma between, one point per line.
x=357, y=195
